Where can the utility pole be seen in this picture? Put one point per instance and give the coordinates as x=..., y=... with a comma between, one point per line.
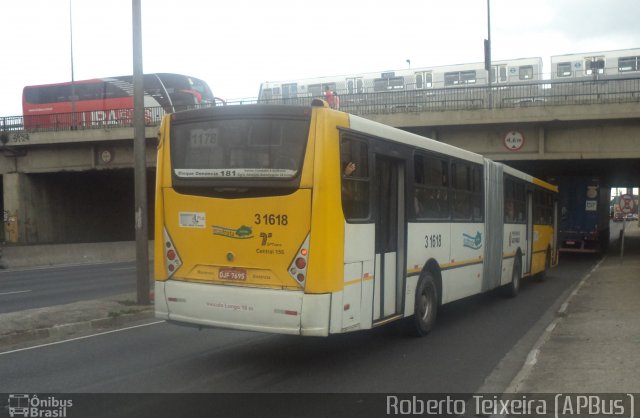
x=73, y=89
x=487, y=53
x=140, y=166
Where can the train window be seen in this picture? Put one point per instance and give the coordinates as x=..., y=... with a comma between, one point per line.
x=502, y=72
x=468, y=77
x=594, y=65
x=459, y=77
x=424, y=80
x=290, y=90
x=355, y=85
x=628, y=64
x=564, y=69
x=380, y=84
x=396, y=83
x=315, y=90
x=384, y=84
x=525, y=72
x=451, y=79
x=332, y=87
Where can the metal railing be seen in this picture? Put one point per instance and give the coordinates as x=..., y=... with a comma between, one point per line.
x=545, y=93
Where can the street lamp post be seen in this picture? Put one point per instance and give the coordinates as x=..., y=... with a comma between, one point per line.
x=140, y=162
x=73, y=89
x=487, y=53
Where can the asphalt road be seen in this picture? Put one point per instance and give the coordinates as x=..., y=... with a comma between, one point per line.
x=40, y=287
x=470, y=338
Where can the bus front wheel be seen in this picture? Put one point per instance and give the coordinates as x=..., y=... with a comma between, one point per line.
x=426, y=305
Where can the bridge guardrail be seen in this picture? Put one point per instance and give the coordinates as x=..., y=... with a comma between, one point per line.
x=545, y=93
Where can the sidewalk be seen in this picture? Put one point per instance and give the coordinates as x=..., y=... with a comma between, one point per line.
x=70, y=320
x=593, y=345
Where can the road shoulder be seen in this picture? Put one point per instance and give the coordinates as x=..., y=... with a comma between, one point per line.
x=55, y=323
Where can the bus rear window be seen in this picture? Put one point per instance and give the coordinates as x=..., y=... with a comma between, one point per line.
x=239, y=148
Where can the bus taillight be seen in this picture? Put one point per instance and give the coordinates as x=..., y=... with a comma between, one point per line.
x=298, y=267
x=301, y=263
x=172, y=259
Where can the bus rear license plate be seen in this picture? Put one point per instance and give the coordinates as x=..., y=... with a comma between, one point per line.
x=232, y=274
x=570, y=242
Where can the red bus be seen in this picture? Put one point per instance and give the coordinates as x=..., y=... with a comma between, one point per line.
x=109, y=101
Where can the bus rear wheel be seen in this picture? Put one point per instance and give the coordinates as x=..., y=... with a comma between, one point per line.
x=426, y=305
x=547, y=265
x=512, y=289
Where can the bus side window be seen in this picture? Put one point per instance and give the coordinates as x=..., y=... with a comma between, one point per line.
x=431, y=194
x=355, y=182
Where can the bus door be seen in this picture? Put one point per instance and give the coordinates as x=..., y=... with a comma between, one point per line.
x=389, y=213
x=526, y=267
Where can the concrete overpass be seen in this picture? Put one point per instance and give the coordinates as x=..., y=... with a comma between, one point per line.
x=594, y=139
x=70, y=186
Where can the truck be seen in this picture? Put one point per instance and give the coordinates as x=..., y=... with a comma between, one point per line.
x=584, y=214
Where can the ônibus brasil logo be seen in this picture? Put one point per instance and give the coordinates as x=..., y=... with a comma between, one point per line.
x=23, y=405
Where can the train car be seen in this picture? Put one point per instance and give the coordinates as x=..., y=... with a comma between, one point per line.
x=522, y=70
x=108, y=100
x=623, y=63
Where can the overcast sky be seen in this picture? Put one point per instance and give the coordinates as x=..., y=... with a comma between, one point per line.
x=235, y=45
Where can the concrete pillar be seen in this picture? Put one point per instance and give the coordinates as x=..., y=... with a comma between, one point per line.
x=541, y=141
x=27, y=208
x=14, y=207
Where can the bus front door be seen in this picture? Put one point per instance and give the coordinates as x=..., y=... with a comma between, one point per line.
x=389, y=212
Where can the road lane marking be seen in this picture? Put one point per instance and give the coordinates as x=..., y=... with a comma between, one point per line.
x=123, y=268
x=81, y=338
x=14, y=293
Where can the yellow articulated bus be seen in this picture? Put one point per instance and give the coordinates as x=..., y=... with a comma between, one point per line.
x=310, y=221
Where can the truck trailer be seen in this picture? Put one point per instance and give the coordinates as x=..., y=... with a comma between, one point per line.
x=584, y=214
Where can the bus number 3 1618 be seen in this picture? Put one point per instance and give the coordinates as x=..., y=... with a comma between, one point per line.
x=270, y=219
x=433, y=241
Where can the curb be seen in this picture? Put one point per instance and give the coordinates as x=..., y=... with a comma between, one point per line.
x=61, y=331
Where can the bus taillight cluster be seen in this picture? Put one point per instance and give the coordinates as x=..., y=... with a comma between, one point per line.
x=298, y=268
x=172, y=260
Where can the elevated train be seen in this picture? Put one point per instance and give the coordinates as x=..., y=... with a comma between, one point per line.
x=624, y=63
x=519, y=70
x=516, y=81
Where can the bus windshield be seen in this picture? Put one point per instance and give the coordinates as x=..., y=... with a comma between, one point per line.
x=239, y=148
